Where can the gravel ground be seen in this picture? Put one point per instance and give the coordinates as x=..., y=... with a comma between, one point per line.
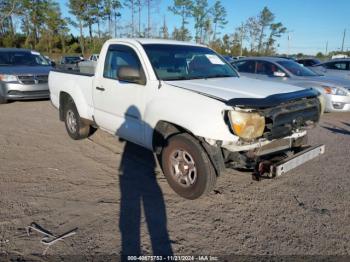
x=119, y=200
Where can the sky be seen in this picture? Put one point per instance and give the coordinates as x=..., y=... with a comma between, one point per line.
x=312, y=23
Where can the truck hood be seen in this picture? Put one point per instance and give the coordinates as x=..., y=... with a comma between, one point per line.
x=322, y=80
x=25, y=70
x=234, y=87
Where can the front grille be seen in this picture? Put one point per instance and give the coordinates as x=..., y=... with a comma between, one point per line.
x=34, y=93
x=33, y=79
x=283, y=120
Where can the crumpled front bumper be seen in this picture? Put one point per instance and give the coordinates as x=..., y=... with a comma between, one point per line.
x=260, y=146
x=296, y=160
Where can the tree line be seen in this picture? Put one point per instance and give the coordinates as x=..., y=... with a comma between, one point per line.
x=40, y=25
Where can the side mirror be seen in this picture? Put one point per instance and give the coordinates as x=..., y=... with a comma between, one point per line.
x=52, y=63
x=279, y=74
x=131, y=75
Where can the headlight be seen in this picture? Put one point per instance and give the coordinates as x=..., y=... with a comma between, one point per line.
x=246, y=125
x=335, y=91
x=8, y=78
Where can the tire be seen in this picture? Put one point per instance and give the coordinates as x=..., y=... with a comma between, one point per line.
x=187, y=167
x=75, y=127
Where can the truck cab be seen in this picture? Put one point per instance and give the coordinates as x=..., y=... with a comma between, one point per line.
x=187, y=104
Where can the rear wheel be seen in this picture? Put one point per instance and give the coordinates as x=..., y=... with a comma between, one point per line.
x=187, y=167
x=76, y=128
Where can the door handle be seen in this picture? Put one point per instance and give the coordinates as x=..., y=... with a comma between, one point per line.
x=100, y=88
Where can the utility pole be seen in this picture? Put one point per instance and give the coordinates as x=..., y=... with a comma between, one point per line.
x=326, y=48
x=289, y=40
x=132, y=19
x=342, y=46
x=149, y=18
x=241, y=39
x=139, y=5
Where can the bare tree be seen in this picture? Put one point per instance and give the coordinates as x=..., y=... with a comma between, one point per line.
x=7, y=8
x=241, y=33
x=219, y=17
x=182, y=8
x=111, y=11
x=151, y=5
x=164, y=32
x=131, y=5
x=276, y=30
x=200, y=13
x=139, y=4
x=76, y=8
x=265, y=18
x=253, y=30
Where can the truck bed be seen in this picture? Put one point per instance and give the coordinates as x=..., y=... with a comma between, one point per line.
x=71, y=72
x=78, y=85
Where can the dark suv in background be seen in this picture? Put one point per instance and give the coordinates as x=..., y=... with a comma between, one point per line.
x=70, y=63
x=309, y=62
x=23, y=75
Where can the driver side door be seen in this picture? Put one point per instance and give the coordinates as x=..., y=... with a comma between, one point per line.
x=118, y=104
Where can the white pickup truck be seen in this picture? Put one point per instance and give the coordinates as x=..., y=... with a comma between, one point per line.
x=189, y=106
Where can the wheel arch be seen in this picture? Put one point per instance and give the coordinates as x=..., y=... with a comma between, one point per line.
x=77, y=99
x=164, y=130
x=64, y=98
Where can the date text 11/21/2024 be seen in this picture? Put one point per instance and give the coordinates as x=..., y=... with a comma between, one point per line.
x=173, y=258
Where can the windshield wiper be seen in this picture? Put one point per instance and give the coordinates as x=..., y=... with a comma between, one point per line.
x=195, y=77
x=218, y=76
x=176, y=78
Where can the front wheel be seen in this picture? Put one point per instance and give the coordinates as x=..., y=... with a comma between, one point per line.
x=76, y=128
x=187, y=167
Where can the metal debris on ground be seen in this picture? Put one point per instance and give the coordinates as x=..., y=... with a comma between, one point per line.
x=49, y=238
x=301, y=204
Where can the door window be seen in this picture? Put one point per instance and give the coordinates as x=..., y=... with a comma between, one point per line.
x=337, y=65
x=266, y=68
x=246, y=66
x=117, y=56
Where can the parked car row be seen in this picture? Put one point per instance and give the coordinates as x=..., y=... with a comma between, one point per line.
x=338, y=67
x=336, y=90
x=23, y=75
x=331, y=78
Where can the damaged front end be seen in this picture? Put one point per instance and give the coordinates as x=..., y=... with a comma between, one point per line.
x=271, y=129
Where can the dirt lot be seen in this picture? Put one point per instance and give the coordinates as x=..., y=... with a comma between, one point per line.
x=108, y=189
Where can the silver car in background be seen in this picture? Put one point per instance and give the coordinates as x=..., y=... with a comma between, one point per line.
x=23, y=75
x=337, y=67
x=335, y=90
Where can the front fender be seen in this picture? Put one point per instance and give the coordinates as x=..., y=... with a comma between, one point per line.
x=202, y=116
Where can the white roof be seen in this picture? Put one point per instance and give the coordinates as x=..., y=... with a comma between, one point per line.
x=154, y=41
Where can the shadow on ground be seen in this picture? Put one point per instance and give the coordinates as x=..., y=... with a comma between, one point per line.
x=140, y=191
x=337, y=130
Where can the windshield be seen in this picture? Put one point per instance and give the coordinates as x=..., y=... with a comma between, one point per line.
x=22, y=58
x=181, y=62
x=297, y=69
